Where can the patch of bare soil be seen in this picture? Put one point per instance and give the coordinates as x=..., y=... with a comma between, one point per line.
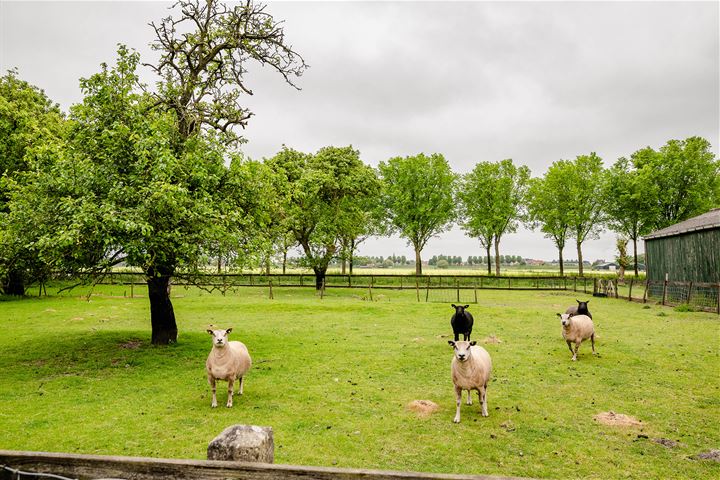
x=492, y=339
x=424, y=408
x=617, y=419
x=666, y=442
x=713, y=455
x=131, y=344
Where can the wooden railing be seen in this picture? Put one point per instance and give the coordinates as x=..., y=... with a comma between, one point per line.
x=81, y=467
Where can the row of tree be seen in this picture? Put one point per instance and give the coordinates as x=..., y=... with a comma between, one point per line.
x=154, y=178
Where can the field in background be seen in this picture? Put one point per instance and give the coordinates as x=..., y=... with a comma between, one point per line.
x=333, y=378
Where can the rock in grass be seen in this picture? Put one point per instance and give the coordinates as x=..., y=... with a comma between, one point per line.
x=243, y=443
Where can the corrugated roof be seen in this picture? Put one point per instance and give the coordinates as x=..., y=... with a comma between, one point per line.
x=705, y=221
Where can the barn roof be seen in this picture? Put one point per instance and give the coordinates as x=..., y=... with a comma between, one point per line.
x=705, y=221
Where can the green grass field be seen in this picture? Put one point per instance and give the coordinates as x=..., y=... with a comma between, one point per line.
x=333, y=377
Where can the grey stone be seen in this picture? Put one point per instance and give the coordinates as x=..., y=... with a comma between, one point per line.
x=243, y=443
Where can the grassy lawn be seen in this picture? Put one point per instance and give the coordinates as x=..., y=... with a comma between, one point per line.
x=333, y=378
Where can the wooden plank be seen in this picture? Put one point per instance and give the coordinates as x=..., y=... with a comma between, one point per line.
x=141, y=468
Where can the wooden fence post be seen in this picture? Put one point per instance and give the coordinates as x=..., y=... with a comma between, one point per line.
x=457, y=286
x=630, y=292
x=322, y=289
x=689, y=295
x=427, y=292
x=132, y=288
x=271, y=292
x=647, y=286
x=475, y=289
x=665, y=282
x=718, y=299
x=370, y=289
x=417, y=288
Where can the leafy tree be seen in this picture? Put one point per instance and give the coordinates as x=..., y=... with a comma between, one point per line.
x=682, y=179
x=417, y=197
x=623, y=259
x=29, y=122
x=492, y=196
x=585, y=200
x=444, y=264
x=629, y=203
x=322, y=196
x=548, y=208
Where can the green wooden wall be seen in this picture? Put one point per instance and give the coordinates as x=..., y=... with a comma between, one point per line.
x=690, y=257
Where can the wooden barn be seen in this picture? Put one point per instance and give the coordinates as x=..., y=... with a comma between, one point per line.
x=683, y=262
x=688, y=251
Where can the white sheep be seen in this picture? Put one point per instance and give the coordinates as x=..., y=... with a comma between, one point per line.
x=576, y=329
x=471, y=367
x=227, y=361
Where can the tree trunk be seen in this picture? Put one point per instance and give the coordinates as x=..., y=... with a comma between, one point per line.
x=580, y=259
x=562, y=268
x=267, y=265
x=497, y=256
x=343, y=268
x=635, y=255
x=319, y=277
x=14, y=284
x=418, y=262
x=350, y=261
x=284, y=260
x=162, y=315
x=488, y=259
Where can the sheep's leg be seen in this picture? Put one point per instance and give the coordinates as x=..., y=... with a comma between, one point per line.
x=482, y=393
x=231, y=387
x=211, y=381
x=569, y=343
x=577, y=347
x=592, y=342
x=469, y=397
x=242, y=382
x=458, y=401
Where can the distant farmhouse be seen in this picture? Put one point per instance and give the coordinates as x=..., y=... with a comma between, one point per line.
x=688, y=251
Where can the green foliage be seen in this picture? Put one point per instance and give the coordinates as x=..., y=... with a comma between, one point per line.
x=322, y=199
x=80, y=376
x=492, y=199
x=682, y=180
x=30, y=124
x=418, y=197
x=442, y=263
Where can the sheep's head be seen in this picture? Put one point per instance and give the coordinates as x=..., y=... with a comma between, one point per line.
x=462, y=349
x=564, y=319
x=459, y=309
x=582, y=306
x=220, y=337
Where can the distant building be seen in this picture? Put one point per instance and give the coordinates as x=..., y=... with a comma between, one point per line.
x=688, y=251
x=611, y=266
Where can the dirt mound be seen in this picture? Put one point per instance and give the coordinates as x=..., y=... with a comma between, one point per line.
x=424, y=408
x=492, y=339
x=713, y=455
x=666, y=442
x=131, y=344
x=617, y=419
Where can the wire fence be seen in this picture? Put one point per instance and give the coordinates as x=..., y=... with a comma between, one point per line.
x=427, y=288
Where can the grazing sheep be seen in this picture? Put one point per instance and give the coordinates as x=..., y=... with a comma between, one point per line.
x=580, y=309
x=471, y=367
x=227, y=361
x=462, y=322
x=576, y=329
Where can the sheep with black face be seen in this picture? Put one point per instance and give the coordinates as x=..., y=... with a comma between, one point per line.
x=580, y=309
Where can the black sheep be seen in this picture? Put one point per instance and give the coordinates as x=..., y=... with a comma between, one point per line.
x=462, y=322
x=581, y=309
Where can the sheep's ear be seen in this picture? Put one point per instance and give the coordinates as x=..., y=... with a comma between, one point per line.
x=473, y=343
x=588, y=301
x=209, y=331
x=466, y=306
x=453, y=305
x=558, y=315
x=228, y=330
x=450, y=342
x=578, y=300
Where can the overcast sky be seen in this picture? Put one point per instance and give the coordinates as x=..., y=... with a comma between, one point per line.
x=475, y=81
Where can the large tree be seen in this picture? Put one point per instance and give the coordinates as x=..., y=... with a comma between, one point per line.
x=29, y=124
x=682, y=178
x=322, y=197
x=548, y=208
x=492, y=198
x=629, y=205
x=584, y=196
x=418, y=198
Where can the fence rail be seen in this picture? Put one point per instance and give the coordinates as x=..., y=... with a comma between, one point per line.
x=139, y=468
